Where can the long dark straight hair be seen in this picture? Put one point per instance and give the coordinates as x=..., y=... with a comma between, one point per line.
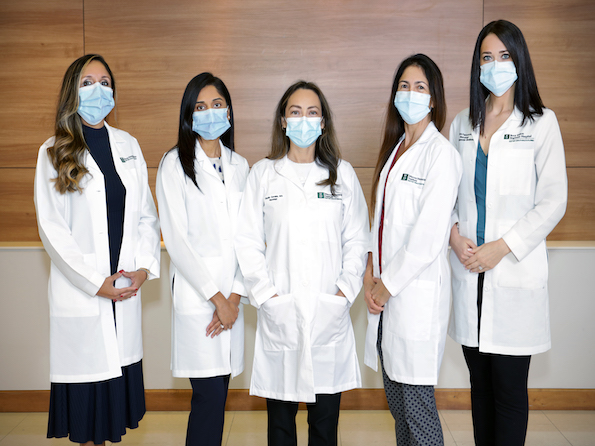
x=186, y=136
x=526, y=95
x=327, y=153
x=394, y=127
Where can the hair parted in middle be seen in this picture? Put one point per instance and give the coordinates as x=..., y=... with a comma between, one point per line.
x=186, y=136
x=394, y=126
x=327, y=153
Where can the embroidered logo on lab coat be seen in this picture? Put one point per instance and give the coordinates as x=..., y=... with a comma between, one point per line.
x=520, y=137
x=327, y=196
x=131, y=157
x=415, y=180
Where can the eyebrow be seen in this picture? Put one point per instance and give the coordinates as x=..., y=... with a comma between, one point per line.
x=202, y=102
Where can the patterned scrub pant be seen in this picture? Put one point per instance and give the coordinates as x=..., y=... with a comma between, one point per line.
x=413, y=407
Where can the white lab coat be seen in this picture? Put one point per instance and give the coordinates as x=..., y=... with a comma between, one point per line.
x=84, y=344
x=420, y=195
x=526, y=194
x=198, y=228
x=303, y=244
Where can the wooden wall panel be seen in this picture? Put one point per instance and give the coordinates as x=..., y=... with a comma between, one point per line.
x=17, y=210
x=38, y=40
x=351, y=49
x=560, y=37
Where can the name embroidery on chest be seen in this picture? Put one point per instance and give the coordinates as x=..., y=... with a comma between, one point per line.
x=465, y=137
x=415, y=180
x=273, y=197
x=129, y=158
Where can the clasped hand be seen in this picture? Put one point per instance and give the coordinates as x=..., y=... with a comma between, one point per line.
x=109, y=291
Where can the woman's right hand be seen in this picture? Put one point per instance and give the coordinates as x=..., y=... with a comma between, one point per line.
x=462, y=246
x=369, y=284
x=108, y=290
x=227, y=311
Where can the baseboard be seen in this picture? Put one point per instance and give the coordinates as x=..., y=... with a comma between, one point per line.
x=358, y=399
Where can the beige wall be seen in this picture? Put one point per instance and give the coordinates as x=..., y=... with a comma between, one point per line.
x=259, y=47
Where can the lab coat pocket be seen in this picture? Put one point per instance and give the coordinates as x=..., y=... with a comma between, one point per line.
x=518, y=168
x=531, y=273
x=331, y=321
x=329, y=215
x=411, y=312
x=407, y=211
x=278, y=322
x=66, y=300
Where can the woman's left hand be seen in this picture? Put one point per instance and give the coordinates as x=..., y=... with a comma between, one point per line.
x=137, y=278
x=215, y=327
x=487, y=256
x=380, y=295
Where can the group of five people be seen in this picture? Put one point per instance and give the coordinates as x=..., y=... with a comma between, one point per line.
x=292, y=237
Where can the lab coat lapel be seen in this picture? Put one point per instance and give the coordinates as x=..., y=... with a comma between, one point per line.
x=228, y=163
x=284, y=168
x=204, y=163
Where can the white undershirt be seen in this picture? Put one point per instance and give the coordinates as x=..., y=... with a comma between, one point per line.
x=302, y=170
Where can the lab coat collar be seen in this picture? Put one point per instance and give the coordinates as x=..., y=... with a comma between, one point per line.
x=425, y=136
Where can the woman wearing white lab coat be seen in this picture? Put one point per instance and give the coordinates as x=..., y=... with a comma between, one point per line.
x=98, y=224
x=301, y=248
x=407, y=281
x=512, y=195
x=199, y=187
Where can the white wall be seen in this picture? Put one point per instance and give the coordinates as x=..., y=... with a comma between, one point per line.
x=24, y=360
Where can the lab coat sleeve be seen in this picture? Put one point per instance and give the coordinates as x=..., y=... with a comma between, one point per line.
x=453, y=138
x=171, y=197
x=355, y=235
x=250, y=240
x=551, y=190
x=427, y=236
x=238, y=281
x=51, y=209
x=149, y=240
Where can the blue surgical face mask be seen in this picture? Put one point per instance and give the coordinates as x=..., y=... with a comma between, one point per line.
x=210, y=124
x=95, y=103
x=303, y=131
x=412, y=106
x=498, y=77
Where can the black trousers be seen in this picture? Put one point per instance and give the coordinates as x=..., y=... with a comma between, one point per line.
x=207, y=413
x=499, y=399
x=323, y=419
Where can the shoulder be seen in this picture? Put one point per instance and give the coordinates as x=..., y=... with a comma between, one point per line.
x=547, y=118
x=237, y=158
x=461, y=120
x=170, y=159
x=262, y=166
x=345, y=169
x=122, y=136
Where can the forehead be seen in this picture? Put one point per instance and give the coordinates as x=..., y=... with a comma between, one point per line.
x=304, y=98
x=491, y=43
x=412, y=74
x=209, y=93
x=95, y=68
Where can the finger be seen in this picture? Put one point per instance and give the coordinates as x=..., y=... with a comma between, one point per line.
x=217, y=331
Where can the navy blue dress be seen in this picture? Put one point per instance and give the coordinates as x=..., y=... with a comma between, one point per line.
x=101, y=411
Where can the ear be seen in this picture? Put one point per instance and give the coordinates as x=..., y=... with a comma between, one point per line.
x=228, y=113
x=322, y=123
x=283, y=123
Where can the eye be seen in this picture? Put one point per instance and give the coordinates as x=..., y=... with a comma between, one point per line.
x=421, y=87
x=294, y=113
x=403, y=86
x=105, y=83
x=86, y=83
x=313, y=112
x=505, y=56
x=487, y=58
x=199, y=107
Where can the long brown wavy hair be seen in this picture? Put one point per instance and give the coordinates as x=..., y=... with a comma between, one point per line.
x=394, y=126
x=68, y=152
x=327, y=153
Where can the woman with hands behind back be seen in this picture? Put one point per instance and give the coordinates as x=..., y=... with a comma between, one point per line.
x=407, y=281
x=98, y=223
x=199, y=186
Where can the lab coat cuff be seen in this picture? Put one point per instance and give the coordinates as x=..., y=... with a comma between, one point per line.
x=95, y=283
x=148, y=262
x=389, y=285
x=238, y=288
x=209, y=290
x=516, y=245
x=346, y=289
x=454, y=219
x=263, y=296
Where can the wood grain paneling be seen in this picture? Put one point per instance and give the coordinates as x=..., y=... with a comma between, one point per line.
x=351, y=49
x=560, y=37
x=17, y=211
x=39, y=39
